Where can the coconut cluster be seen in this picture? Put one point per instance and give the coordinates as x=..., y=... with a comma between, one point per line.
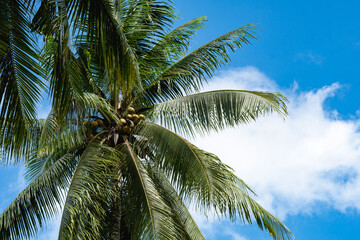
x=93, y=127
x=130, y=120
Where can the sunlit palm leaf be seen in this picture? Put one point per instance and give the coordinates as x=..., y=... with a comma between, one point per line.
x=213, y=185
x=189, y=229
x=84, y=209
x=168, y=49
x=188, y=74
x=162, y=225
x=215, y=110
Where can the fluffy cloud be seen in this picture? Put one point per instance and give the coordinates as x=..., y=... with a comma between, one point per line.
x=293, y=165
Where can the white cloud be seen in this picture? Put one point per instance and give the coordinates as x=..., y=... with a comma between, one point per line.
x=312, y=157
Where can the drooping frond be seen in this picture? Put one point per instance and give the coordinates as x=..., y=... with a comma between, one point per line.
x=202, y=179
x=39, y=201
x=85, y=205
x=180, y=214
x=159, y=212
x=55, y=138
x=215, y=110
x=180, y=159
x=52, y=141
x=20, y=84
x=188, y=74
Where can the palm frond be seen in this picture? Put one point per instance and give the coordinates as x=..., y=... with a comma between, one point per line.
x=176, y=43
x=168, y=49
x=180, y=213
x=188, y=74
x=100, y=30
x=65, y=73
x=39, y=201
x=160, y=217
x=215, y=110
x=52, y=141
x=20, y=83
x=45, y=18
x=145, y=21
x=88, y=102
x=202, y=179
x=179, y=159
x=86, y=201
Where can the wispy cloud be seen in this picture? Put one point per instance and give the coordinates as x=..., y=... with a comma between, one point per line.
x=234, y=235
x=310, y=58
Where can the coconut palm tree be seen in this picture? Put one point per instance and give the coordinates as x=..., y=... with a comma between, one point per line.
x=125, y=92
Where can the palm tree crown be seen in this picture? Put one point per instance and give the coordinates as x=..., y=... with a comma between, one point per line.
x=125, y=90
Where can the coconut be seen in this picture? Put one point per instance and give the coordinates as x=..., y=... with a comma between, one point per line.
x=131, y=110
x=136, y=117
x=123, y=121
x=127, y=129
x=94, y=124
x=91, y=136
x=142, y=117
x=129, y=116
x=100, y=123
x=87, y=124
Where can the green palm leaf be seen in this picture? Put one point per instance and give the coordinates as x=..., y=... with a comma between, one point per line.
x=20, y=85
x=215, y=110
x=187, y=74
x=159, y=212
x=39, y=201
x=189, y=228
x=168, y=49
x=85, y=205
x=213, y=185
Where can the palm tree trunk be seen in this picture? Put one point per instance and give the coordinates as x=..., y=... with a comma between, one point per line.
x=115, y=216
x=118, y=228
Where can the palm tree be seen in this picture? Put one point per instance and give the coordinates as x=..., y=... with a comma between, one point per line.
x=125, y=92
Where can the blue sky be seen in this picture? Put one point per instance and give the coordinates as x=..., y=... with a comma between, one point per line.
x=304, y=169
